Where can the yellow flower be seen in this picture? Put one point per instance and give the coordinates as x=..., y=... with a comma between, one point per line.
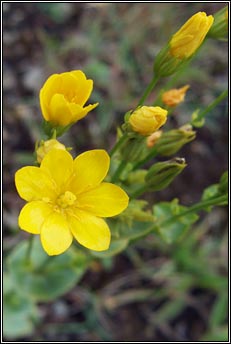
x=191, y=35
x=147, y=119
x=46, y=146
x=63, y=96
x=174, y=96
x=67, y=198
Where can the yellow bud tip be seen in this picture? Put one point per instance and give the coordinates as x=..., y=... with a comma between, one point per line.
x=190, y=36
x=174, y=96
x=47, y=146
x=153, y=138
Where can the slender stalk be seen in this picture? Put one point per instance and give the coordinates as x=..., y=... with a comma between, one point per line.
x=44, y=264
x=29, y=248
x=150, y=155
x=197, y=207
x=118, y=171
x=148, y=90
x=118, y=144
x=202, y=114
x=54, y=134
x=139, y=191
x=170, y=83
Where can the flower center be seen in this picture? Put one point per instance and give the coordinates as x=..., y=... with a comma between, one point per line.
x=66, y=199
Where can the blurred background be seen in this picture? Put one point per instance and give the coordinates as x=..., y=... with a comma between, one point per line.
x=153, y=291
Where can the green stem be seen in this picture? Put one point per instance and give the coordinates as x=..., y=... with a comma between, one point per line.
x=29, y=248
x=197, y=207
x=170, y=84
x=150, y=155
x=54, y=134
x=139, y=191
x=118, y=144
x=44, y=264
x=148, y=90
x=212, y=105
x=118, y=171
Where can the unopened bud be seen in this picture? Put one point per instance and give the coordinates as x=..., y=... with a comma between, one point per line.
x=147, y=119
x=46, y=146
x=171, y=141
x=161, y=174
x=183, y=44
x=133, y=148
x=188, y=39
x=153, y=138
x=174, y=96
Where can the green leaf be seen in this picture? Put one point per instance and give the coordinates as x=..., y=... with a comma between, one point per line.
x=219, y=311
x=208, y=193
x=45, y=278
x=169, y=310
x=196, y=120
x=135, y=230
x=217, y=190
x=116, y=247
x=19, y=312
x=172, y=230
x=224, y=183
x=220, y=334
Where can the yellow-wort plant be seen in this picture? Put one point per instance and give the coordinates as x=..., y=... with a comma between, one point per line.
x=91, y=205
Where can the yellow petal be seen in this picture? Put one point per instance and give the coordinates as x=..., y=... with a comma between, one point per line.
x=33, y=215
x=90, y=231
x=58, y=164
x=90, y=168
x=105, y=200
x=56, y=237
x=78, y=112
x=34, y=184
x=50, y=88
x=84, y=89
x=60, y=113
x=69, y=84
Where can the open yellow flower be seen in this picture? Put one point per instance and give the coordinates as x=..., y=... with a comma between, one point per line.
x=67, y=198
x=147, y=119
x=191, y=35
x=63, y=96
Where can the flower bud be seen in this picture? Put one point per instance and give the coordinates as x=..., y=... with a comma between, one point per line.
x=182, y=45
x=63, y=96
x=174, y=96
x=188, y=39
x=133, y=149
x=153, y=138
x=219, y=29
x=172, y=141
x=46, y=146
x=161, y=174
x=147, y=119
